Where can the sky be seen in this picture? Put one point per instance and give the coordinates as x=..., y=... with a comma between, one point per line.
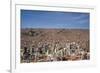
x=54, y=19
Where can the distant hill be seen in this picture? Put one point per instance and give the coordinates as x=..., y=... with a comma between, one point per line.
x=34, y=36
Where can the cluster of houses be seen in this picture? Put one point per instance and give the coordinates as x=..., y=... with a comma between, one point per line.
x=53, y=51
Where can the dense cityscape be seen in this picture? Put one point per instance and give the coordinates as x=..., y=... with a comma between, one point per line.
x=41, y=47
x=48, y=36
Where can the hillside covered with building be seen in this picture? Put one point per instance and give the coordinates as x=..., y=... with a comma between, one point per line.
x=46, y=45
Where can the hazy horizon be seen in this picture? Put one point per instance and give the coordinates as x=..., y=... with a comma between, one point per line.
x=59, y=28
